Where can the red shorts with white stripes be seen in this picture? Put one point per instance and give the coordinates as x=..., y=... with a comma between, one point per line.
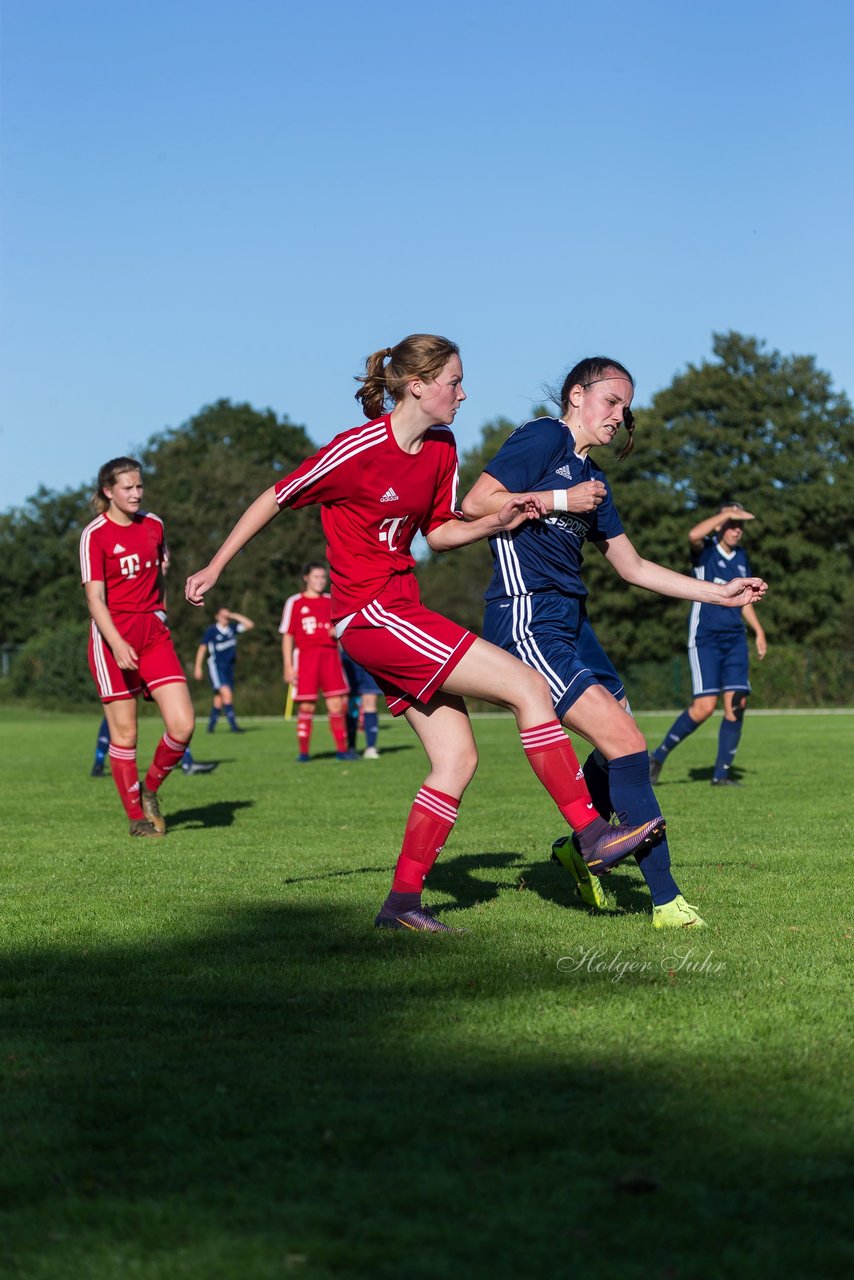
x=319, y=671
x=408, y=649
x=158, y=661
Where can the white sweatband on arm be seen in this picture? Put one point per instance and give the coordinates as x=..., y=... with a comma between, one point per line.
x=559, y=499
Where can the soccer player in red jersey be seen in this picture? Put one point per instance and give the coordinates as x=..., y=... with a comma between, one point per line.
x=377, y=485
x=123, y=555
x=307, y=630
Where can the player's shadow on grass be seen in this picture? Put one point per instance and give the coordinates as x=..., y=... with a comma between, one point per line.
x=319, y=757
x=704, y=773
x=220, y=813
x=456, y=877
x=553, y=883
x=231, y=1085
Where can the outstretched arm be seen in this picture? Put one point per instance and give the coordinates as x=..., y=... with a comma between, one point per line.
x=488, y=495
x=515, y=510
x=622, y=557
x=254, y=518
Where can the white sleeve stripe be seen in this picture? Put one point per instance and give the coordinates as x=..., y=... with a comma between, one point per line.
x=85, y=554
x=343, y=452
x=287, y=611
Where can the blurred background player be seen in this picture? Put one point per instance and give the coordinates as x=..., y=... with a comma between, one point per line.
x=306, y=629
x=361, y=707
x=219, y=647
x=122, y=558
x=717, y=644
x=102, y=746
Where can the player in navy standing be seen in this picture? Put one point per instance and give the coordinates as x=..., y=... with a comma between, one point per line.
x=717, y=644
x=377, y=485
x=535, y=603
x=122, y=556
x=219, y=650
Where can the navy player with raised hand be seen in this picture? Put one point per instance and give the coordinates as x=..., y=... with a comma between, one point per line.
x=218, y=650
x=717, y=644
x=535, y=603
x=378, y=484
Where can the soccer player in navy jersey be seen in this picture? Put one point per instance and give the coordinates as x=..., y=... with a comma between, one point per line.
x=717, y=644
x=378, y=484
x=535, y=603
x=218, y=650
x=122, y=557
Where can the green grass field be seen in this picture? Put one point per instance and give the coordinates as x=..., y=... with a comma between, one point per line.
x=214, y=1067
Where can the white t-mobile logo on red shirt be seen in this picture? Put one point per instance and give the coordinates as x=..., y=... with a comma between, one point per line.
x=389, y=530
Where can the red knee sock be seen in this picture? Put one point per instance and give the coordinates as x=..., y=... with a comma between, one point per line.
x=126, y=778
x=168, y=754
x=550, y=754
x=304, y=722
x=431, y=820
x=338, y=726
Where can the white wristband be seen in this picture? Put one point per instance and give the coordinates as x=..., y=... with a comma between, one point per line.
x=559, y=499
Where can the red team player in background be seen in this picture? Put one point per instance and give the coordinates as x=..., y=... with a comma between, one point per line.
x=123, y=555
x=307, y=629
x=378, y=484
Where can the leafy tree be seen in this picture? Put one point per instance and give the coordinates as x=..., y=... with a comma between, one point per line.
x=770, y=431
x=751, y=424
x=199, y=477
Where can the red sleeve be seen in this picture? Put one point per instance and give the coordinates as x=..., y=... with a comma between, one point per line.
x=447, y=478
x=327, y=476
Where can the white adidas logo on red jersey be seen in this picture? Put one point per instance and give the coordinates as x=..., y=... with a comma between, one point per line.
x=118, y=549
x=389, y=496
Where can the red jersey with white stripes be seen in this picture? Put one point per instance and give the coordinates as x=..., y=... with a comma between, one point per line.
x=374, y=498
x=309, y=620
x=127, y=559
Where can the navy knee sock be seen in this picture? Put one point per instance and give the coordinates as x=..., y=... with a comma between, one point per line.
x=632, y=794
x=103, y=744
x=728, y=739
x=596, y=777
x=371, y=728
x=678, y=731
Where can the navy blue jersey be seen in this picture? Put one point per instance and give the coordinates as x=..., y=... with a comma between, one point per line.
x=546, y=554
x=713, y=563
x=221, y=642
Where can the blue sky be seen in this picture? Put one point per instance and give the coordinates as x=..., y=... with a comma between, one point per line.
x=208, y=199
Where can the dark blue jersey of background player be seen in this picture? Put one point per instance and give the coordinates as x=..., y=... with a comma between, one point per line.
x=717, y=646
x=541, y=455
x=218, y=649
x=714, y=561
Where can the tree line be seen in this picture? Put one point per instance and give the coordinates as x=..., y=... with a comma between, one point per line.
x=749, y=424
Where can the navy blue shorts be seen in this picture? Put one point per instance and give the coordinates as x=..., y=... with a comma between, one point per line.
x=719, y=664
x=220, y=673
x=551, y=633
x=359, y=680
